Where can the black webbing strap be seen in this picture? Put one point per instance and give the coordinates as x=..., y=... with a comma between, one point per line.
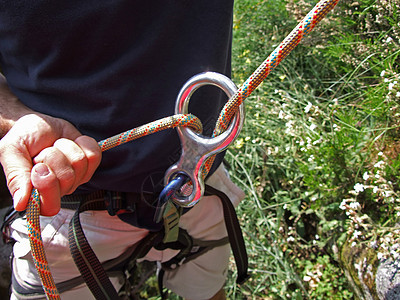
x=93, y=272
x=113, y=202
x=87, y=262
x=234, y=234
x=235, y=238
x=190, y=249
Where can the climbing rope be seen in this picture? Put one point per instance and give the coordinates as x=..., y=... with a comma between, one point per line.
x=228, y=111
x=33, y=208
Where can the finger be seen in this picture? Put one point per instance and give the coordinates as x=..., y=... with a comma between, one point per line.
x=60, y=166
x=92, y=152
x=76, y=157
x=47, y=184
x=17, y=164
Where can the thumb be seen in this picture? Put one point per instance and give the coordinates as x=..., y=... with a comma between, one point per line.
x=46, y=182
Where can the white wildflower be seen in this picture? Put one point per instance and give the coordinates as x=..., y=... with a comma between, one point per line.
x=355, y=205
x=290, y=239
x=317, y=142
x=383, y=73
x=308, y=107
x=388, y=193
x=313, y=126
x=358, y=187
x=289, y=124
x=365, y=176
x=343, y=205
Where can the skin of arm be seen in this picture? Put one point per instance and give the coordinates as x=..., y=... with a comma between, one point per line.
x=41, y=151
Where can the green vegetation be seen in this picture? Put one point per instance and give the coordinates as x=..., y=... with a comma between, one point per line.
x=319, y=153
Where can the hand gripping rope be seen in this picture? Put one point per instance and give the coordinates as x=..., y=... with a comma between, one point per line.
x=181, y=121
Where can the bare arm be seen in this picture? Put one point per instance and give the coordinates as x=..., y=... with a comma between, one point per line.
x=42, y=151
x=11, y=109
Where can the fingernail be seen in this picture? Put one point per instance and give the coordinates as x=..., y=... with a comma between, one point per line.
x=42, y=170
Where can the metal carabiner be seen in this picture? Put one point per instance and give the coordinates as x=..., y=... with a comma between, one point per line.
x=196, y=148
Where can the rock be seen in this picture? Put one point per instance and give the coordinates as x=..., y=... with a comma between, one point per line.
x=388, y=280
x=369, y=277
x=360, y=264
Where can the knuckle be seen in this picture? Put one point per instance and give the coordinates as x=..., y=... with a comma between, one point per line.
x=78, y=159
x=67, y=180
x=12, y=179
x=94, y=157
x=45, y=155
x=72, y=151
x=91, y=150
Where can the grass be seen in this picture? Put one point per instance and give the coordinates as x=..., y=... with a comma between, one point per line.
x=314, y=131
x=318, y=156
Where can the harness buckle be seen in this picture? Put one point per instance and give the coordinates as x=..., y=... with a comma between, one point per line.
x=116, y=203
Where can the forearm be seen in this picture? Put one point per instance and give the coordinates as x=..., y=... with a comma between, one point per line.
x=11, y=109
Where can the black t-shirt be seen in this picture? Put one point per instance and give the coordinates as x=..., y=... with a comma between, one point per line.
x=109, y=66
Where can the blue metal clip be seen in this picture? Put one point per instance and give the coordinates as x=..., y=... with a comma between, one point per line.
x=169, y=190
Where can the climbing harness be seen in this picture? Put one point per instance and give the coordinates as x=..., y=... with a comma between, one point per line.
x=201, y=149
